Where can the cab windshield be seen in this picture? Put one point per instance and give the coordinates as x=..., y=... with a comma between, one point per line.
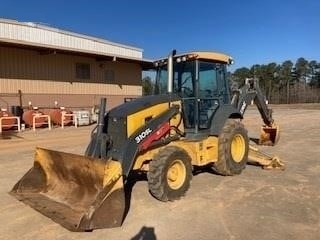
x=210, y=77
x=202, y=87
x=182, y=81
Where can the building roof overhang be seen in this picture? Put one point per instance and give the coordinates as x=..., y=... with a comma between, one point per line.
x=48, y=49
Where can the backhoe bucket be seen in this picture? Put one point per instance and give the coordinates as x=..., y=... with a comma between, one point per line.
x=269, y=135
x=80, y=193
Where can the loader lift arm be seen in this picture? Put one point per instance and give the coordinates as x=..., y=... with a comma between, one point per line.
x=97, y=147
x=147, y=136
x=136, y=143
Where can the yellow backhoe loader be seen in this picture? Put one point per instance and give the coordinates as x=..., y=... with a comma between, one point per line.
x=192, y=120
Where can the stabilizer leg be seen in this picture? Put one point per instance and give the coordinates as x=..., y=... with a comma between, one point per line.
x=257, y=157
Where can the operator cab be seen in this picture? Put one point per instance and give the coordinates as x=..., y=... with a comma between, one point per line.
x=200, y=80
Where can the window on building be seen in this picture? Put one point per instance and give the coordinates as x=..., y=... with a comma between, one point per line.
x=109, y=75
x=83, y=70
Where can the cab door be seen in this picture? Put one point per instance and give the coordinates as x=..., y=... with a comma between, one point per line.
x=211, y=91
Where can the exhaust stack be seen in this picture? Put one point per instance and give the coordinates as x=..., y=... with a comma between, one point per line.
x=170, y=70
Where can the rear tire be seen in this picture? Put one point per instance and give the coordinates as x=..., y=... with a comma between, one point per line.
x=170, y=173
x=233, y=147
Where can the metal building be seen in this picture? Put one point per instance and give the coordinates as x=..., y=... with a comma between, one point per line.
x=41, y=65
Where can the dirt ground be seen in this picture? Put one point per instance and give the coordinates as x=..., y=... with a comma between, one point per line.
x=258, y=204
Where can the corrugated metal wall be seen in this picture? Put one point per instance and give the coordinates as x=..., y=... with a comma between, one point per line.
x=28, y=64
x=53, y=75
x=75, y=101
x=48, y=87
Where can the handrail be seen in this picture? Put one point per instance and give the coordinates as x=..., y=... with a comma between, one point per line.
x=74, y=117
x=41, y=123
x=11, y=125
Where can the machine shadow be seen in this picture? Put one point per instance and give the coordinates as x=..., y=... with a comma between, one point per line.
x=146, y=233
x=255, y=140
x=204, y=169
x=133, y=178
x=9, y=135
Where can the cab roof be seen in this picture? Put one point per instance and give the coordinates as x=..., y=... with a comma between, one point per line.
x=210, y=56
x=204, y=55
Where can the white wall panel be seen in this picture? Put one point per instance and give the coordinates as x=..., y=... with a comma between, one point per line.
x=34, y=33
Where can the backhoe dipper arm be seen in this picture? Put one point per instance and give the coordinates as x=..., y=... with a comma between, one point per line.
x=269, y=134
x=252, y=92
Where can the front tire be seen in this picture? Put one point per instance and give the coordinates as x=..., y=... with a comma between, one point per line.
x=233, y=147
x=170, y=173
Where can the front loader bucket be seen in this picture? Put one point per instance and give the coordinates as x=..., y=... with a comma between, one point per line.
x=78, y=192
x=269, y=135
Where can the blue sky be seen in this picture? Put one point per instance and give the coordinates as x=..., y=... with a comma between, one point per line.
x=250, y=31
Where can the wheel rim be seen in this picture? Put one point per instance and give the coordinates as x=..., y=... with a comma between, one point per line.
x=176, y=174
x=238, y=147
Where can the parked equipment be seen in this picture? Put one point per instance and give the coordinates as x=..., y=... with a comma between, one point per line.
x=83, y=117
x=61, y=116
x=192, y=120
x=35, y=117
x=7, y=120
